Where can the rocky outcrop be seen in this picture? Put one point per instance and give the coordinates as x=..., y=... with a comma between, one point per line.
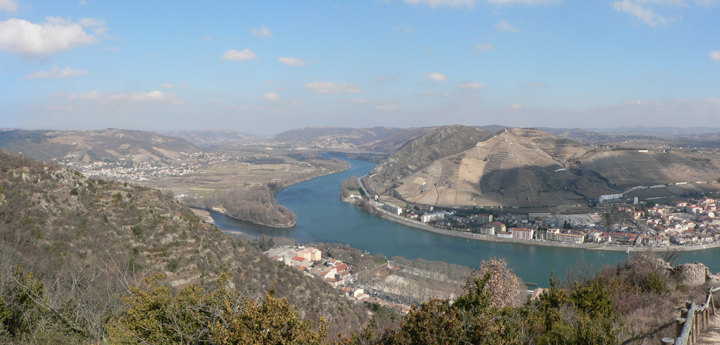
x=695, y=274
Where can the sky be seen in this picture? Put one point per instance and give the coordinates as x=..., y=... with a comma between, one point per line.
x=263, y=67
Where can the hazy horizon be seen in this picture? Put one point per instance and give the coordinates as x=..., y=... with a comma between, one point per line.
x=263, y=68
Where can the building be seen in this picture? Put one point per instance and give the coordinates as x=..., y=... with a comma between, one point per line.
x=570, y=238
x=313, y=254
x=609, y=198
x=488, y=230
x=557, y=235
x=392, y=208
x=522, y=234
x=431, y=217
x=484, y=218
x=504, y=234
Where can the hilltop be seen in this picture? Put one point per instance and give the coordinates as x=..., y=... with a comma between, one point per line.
x=107, y=145
x=219, y=138
x=374, y=139
x=530, y=168
x=65, y=229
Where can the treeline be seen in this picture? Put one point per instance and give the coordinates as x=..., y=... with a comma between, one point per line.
x=252, y=203
x=348, y=184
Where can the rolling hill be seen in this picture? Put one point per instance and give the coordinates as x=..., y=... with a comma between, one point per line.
x=374, y=139
x=220, y=138
x=529, y=168
x=107, y=145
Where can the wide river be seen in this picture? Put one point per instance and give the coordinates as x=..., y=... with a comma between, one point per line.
x=322, y=217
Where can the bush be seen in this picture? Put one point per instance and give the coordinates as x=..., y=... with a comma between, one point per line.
x=136, y=230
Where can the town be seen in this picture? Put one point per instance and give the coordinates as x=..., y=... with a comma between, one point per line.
x=692, y=224
x=374, y=279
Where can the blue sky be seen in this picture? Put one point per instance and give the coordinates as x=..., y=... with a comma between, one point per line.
x=264, y=67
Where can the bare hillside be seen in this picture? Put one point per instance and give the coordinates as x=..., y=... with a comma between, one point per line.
x=530, y=168
x=107, y=145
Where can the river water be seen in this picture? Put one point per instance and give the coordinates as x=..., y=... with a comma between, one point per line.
x=322, y=217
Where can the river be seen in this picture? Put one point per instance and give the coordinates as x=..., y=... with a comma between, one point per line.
x=322, y=217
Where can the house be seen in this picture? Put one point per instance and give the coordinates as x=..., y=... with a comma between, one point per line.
x=300, y=261
x=522, y=234
x=504, y=234
x=313, y=254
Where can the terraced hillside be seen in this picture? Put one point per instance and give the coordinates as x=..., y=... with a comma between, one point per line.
x=530, y=168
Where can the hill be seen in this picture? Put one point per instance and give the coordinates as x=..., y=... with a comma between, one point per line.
x=107, y=145
x=87, y=241
x=531, y=168
x=374, y=139
x=219, y=138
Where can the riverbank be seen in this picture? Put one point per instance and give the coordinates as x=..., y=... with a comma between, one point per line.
x=477, y=237
x=289, y=225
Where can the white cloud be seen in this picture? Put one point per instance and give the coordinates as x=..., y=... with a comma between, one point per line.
x=706, y=3
x=98, y=26
x=271, y=96
x=140, y=97
x=82, y=2
x=207, y=37
x=171, y=86
x=645, y=15
x=515, y=106
x=434, y=94
x=234, y=55
x=503, y=26
x=715, y=55
x=443, y=3
x=329, y=88
x=55, y=35
x=263, y=32
x=383, y=79
x=404, y=28
x=637, y=102
x=483, y=47
x=9, y=6
x=63, y=108
x=238, y=107
x=156, y=96
x=55, y=72
x=470, y=85
x=386, y=106
x=291, y=61
x=352, y=101
x=527, y=2
x=86, y=96
x=436, y=76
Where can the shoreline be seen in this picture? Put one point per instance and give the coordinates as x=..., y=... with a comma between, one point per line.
x=477, y=237
x=273, y=196
x=588, y=246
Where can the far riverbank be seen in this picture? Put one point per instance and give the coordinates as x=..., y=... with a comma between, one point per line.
x=478, y=237
x=590, y=246
x=203, y=212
